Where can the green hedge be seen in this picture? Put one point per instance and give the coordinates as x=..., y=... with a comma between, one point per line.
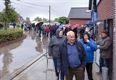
x=10, y=34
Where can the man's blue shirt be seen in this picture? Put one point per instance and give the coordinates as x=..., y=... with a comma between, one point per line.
x=73, y=56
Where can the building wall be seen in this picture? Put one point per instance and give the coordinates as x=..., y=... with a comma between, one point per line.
x=80, y=22
x=114, y=51
x=106, y=9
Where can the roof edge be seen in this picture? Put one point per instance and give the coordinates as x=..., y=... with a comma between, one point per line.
x=78, y=7
x=80, y=18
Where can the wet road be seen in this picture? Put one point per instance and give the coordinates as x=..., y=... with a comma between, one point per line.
x=13, y=56
x=17, y=56
x=38, y=71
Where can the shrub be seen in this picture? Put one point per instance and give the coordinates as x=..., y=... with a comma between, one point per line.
x=10, y=34
x=18, y=26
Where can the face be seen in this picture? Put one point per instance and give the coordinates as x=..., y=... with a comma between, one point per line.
x=86, y=37
x=60, y=33
x=71, y=39
x=103, y=34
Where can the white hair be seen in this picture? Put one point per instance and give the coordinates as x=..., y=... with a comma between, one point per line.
x=70, y=33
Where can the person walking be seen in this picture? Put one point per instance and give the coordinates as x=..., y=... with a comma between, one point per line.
x=46, y=30
x=53, y=50
x=14, y=24
x=90, y=46
x=72, y=58
x=105, y=46
x=39, y=28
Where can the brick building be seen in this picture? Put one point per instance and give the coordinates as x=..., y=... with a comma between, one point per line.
x=106, y=16
x=107, y=20
x=79, y=15
x=106, y=11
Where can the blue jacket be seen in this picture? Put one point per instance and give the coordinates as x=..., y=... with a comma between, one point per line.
x=89, y=47
x=64, y=56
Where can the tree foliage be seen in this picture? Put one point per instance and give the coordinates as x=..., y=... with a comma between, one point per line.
x=62, y=20
x=1, y=17
x=41, y=19
x=56, y=19
x=38, y=19
x=45, y=20
x=12, y=15
x=8, y=14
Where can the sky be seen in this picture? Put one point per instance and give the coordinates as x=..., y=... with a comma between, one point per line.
x=40, y=8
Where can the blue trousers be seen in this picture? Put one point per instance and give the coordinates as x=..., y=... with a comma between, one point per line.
x=106, y=63
x=57, y=65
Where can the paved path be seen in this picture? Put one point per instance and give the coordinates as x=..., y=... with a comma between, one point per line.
x=23, y=58
x=41, y=71
x=38, y=71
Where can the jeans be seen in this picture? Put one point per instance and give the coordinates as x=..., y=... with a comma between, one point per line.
x=57, y=65
x=106, y=63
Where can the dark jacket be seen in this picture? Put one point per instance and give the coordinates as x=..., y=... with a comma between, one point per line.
x=64, y=56
x=105, y=46
x=54, y=45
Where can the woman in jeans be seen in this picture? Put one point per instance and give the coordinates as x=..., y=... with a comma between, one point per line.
x=105, y=46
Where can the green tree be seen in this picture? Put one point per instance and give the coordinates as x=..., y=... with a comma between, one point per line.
x=1, y=16
x=45, y=20
x=8, y=14
x=56, y=19
x=12, y=15
x=62, y=20
x=38, y=19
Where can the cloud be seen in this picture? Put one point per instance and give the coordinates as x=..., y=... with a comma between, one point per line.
x=33, y=8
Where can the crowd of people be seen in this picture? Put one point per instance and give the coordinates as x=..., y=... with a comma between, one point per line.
x=72, y=49
x=72, y=55
x=50, y=29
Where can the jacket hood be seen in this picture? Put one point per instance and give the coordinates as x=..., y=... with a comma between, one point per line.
x=57, y=32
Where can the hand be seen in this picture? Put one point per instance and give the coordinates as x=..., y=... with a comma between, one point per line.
x=81, y=68
x=88, y=40
x=98, y=46
x=50, y=57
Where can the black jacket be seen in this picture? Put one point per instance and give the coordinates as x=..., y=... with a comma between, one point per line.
x=64, y=56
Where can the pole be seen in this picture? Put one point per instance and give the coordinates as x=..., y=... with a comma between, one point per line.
x=94, y=15
x=49, y=15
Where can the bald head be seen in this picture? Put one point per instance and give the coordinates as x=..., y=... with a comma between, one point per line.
x=71, y=37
